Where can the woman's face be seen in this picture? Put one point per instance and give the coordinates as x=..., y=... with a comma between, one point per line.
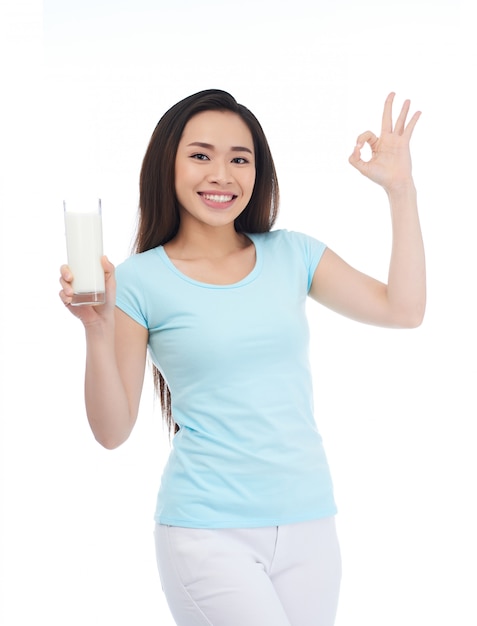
x=214, y=169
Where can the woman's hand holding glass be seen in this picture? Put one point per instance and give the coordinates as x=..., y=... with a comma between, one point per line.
x=86, y=313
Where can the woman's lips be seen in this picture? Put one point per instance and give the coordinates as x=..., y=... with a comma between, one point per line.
x=217, y=200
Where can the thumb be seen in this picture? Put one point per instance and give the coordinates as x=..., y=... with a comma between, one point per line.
x=356, y=160
x=108, y=267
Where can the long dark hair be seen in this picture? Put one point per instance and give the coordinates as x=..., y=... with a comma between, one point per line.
x=159, y=217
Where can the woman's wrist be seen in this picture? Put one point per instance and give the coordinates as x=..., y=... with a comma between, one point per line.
x=100, y=329
x=405, y=189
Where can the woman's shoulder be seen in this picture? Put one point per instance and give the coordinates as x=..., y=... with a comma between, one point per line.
x=282, y=236
x=137, y=267
x=140, y=259
x=289, y=247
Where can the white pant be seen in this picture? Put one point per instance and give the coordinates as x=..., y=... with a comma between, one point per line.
x=275, y=576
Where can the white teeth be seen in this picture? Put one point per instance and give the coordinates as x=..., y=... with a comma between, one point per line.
x=217, y=198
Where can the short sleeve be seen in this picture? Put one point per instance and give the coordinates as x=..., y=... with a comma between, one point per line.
x=130, y=296
x=312, y=250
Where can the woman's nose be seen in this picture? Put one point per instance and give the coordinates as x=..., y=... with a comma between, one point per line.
x=219, y=173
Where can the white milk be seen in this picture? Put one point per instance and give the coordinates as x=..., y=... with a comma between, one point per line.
x=84, y=242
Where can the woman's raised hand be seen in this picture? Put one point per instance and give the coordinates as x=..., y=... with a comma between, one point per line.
x=89, y=314
x=390, y=162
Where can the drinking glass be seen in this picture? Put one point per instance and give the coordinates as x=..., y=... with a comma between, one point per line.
x=84, y=246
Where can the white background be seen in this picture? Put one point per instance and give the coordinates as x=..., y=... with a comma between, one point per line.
x=83, y=85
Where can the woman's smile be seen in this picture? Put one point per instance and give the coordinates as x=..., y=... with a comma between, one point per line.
x=217, y=200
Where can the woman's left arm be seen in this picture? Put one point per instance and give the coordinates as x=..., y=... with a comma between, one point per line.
x=400, y=303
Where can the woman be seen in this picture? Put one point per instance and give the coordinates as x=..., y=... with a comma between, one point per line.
x=245, y=530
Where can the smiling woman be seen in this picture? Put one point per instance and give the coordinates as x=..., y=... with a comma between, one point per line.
x=214, y=186
x=245, y=530
x=158, y=182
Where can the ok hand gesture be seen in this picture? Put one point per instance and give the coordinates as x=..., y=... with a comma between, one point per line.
x=390, y=163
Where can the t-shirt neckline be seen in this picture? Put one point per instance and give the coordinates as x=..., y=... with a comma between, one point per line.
x=241, y=283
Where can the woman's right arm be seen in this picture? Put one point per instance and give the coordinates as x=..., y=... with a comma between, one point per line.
x=115, y=362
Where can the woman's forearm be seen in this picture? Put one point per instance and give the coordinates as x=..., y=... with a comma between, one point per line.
x=407, y=271
x=107, y=406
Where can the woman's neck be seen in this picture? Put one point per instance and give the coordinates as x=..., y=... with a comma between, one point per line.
x=218, y=258
x=206, y=241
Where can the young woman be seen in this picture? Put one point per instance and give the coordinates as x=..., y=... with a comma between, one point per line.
x=245, y=529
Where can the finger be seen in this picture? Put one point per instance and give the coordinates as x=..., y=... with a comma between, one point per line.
x=66, y=289
x=66, y=277
x=357, y=162
x=66, y=273
x=387, y=123
x=401, y=120
x=65, y=298
x=412, y=123
x=355, y=158
x=369, y=138
x=66, y=285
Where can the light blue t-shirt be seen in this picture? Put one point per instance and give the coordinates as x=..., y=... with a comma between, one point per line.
x=235, y=357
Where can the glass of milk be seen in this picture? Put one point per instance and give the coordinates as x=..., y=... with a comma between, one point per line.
x=84, y=245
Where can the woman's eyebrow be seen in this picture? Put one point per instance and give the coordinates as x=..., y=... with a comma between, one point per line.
x=209, y=146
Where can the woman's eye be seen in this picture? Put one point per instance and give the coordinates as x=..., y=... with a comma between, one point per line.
x=200, y=157
x=240, y=160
